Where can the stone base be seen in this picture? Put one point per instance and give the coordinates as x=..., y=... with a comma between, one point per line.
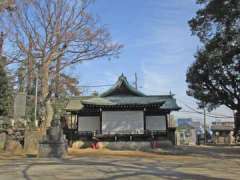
x=55, y=150
x=3, y=139
x=137, y=145
x=54, y=143
x=162, y=144
x=31, y=141
x=127, y=145
x=13, y=147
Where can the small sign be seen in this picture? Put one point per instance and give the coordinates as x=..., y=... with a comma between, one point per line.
x=20, y=105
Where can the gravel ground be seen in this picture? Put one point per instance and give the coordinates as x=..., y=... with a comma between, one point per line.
x=201, y=163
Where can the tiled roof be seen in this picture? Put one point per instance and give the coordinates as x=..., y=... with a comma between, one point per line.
x=166, y=102
x=122, y=100
x=222, y=128
x=122, y=93
x=121, y=84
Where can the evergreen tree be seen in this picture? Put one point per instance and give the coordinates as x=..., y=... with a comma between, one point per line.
x=5, y=92
x=214, y=78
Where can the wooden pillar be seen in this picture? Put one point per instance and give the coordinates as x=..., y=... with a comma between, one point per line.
x=77, y=122
x=71, y=131
x=71, y=120
x=144, y=119
x=166, y=117
x=100, y=120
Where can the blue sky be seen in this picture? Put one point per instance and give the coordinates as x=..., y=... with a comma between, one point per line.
x=158, y=46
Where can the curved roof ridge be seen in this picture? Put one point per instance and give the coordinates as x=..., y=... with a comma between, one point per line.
x=122, y=82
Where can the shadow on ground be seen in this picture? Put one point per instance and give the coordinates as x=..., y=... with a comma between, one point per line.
x=226, y=152
x=188, y=163
x=134, y=169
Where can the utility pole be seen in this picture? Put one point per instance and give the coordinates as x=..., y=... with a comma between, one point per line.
x=36, y=101
x=136, y=81
x=205, y=127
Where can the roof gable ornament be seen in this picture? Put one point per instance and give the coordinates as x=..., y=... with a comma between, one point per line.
x=122, y=88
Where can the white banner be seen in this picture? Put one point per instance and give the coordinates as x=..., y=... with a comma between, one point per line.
x=122, y=122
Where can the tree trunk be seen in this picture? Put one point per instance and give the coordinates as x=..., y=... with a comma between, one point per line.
x=237, y=122
x=30, y=70
x=48, y=113
x=30, y=76
x=1, y=43
x=57, y=78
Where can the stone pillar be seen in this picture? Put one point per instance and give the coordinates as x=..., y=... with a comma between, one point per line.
x=54, y=143
x=31, y=141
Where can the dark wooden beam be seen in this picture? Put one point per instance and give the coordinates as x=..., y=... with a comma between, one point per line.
x=144, y=120
x=100, y=121
x=77, y=122
x=166, y=118
x=71, y=121
x=88, y=113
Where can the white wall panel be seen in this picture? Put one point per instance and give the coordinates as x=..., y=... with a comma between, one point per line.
x=122, y=122
x=156, y=122
x=88, y=123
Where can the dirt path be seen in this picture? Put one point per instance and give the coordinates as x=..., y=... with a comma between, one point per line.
x=105, y=164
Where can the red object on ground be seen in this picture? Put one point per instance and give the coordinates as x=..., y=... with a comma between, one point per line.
x=155, y=144
x=99, y=145
x=93, y=145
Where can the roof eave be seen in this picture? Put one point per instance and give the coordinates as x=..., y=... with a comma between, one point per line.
x=122, y=79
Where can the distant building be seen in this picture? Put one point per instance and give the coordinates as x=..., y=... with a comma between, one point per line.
x=186, y=132
x=189, y=132
x=184, y=121
x=198, y=126
x=186, y=135
x=223, y=132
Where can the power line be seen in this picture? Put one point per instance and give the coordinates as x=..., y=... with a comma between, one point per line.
x=207, y=114
x=212, y=116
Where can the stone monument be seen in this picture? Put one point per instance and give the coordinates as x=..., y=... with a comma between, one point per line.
x=31, y=141
x=54, y=143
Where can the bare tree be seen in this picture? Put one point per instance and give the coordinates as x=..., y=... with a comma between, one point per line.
x=7, y=5
x=55, y=34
